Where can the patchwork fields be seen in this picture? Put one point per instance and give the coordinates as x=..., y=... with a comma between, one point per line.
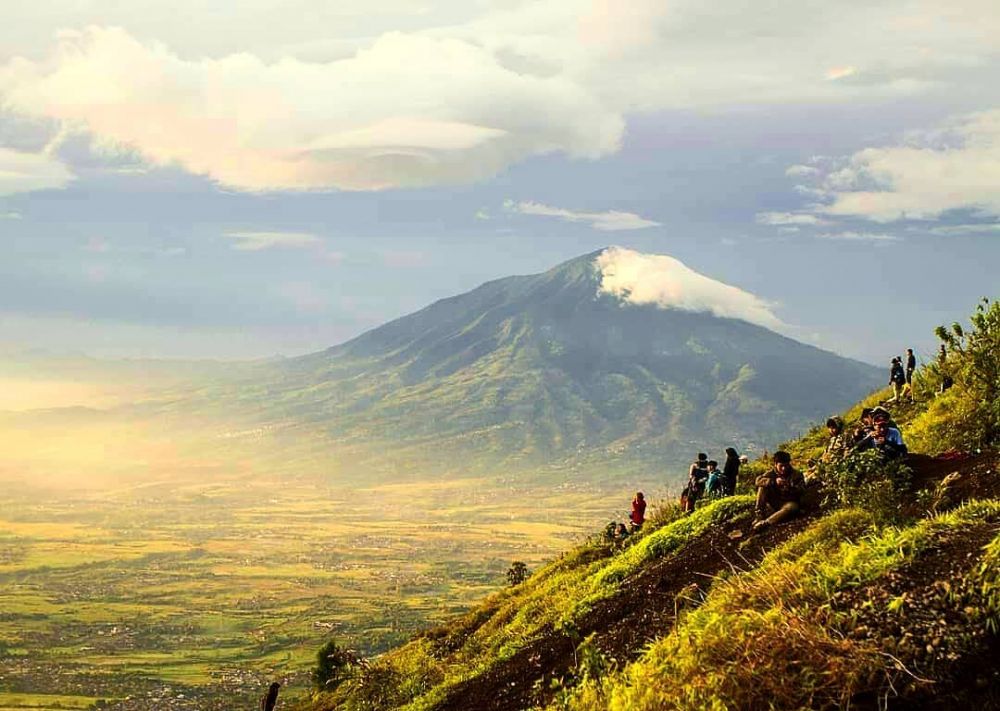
x=196, y=595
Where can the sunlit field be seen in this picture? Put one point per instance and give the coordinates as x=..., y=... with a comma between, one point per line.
x=130, y=565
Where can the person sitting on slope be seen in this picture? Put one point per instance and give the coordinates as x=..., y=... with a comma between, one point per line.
x=885, y=439
x=779, y=492
x=837, y=447
x=638, y=515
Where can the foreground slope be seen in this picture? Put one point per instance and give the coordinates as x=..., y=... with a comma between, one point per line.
x=886, y=592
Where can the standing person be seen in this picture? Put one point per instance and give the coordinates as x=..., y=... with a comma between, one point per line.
x=911, y=366
x=779, y=492
x=638, y=515
x=946, y=380
x=730, y=472
x=697, y=476
x=714, y=484
x=897, y=378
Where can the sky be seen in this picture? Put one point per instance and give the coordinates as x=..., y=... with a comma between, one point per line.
x=240, y=180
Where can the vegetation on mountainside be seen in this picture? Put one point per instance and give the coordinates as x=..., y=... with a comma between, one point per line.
x=873, y=599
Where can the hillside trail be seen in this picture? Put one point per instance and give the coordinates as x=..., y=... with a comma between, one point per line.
x=645, y=608
x=647, y=605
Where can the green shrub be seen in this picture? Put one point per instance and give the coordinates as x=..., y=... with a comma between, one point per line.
x=967, y=416
x=868, y=481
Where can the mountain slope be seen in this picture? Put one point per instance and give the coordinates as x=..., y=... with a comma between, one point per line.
x=833, y=609
x=545, y=369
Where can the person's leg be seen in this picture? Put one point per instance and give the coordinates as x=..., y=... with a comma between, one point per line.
x=785, y=512
x=761, y=508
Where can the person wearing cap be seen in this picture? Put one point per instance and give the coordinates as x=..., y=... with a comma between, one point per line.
x=779, y=492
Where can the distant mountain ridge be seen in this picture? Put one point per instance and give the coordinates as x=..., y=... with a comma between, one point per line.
x=547, y=370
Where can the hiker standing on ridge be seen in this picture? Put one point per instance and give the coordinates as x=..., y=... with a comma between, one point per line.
x=911, y=366
x=730, y=472
x=897, y=378
x=638, y=515
x=697, y=475
x=779, y=492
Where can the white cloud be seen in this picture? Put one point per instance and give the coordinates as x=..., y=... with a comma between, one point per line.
x=407, y=110
x=801, y=171
x=988, y=228
x=257, y=241
x=11, y=215
x=654, y=279
x=958, y=167
x=608, y=221
x=22, y=172
x=861, y=237
x=788, y=218
x=339, y=97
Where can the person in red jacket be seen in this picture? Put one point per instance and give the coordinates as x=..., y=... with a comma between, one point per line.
x=638, y=516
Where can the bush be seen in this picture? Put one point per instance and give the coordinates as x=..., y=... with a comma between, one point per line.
x=868, y=481
x=517, y=573
x=333, y=664
x=966, y=416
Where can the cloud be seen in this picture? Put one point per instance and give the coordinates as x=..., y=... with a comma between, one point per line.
x=408, y=110
x=316, y=101
x=788, y=218
x=609, y=221
x=861, y=237
x=801, y=171
x=22, y=172
x=11, y=215
x=654, y=279
x=956, y=167
x=986, y=228
x=258, y=241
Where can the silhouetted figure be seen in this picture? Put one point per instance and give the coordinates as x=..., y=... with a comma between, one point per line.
x=730, y=472
x=268, y=700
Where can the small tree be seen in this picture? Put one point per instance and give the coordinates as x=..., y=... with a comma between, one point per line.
x=868, y=481
x=517, y=573
x=333, y=664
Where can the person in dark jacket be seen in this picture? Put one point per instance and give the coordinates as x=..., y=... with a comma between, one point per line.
x=897, y=378
x=697, y=476
x=911, y=367
x=730, y=472
x=638, y=515
x=779, y=492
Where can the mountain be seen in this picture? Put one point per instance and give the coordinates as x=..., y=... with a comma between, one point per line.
x=552, y=370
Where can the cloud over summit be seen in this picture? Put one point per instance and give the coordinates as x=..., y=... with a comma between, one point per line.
x=665, y=282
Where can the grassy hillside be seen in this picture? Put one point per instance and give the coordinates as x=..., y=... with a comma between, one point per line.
x=886, y=591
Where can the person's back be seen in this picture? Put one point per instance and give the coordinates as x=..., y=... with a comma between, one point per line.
x=730, y=472
x=638, y=515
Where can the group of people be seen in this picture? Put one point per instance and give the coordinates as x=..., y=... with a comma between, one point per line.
x=779, y=491
x=616, y=532
x=876, y=430
x=706, y=479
